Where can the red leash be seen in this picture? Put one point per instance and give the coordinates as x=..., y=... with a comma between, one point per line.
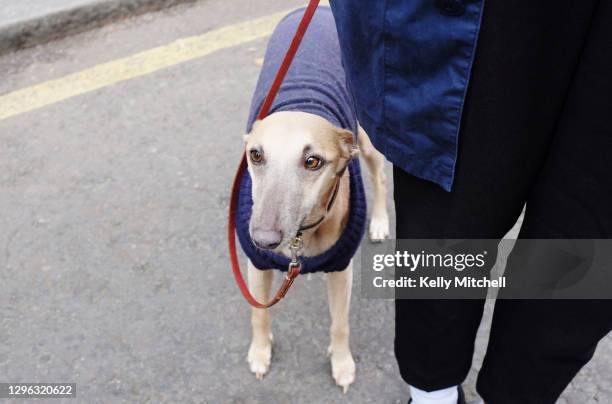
x=294, y=267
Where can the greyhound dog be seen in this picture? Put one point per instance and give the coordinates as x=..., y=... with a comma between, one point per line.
x=293, y=158
x=296, y=162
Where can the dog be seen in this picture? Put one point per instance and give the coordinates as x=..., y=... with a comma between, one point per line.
x=297, y=159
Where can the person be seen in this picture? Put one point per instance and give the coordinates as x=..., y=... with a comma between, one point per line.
x=483, y=108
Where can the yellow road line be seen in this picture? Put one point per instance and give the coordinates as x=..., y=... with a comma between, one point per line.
x=137, y=65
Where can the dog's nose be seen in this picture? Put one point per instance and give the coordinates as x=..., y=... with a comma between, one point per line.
x=268, y=239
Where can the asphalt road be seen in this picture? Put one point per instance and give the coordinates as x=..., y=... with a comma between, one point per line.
x=113, y=261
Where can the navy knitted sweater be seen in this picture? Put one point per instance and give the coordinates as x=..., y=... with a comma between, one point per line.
x=316, y=84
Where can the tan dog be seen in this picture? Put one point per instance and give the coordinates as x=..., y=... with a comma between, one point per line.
x=293, y=158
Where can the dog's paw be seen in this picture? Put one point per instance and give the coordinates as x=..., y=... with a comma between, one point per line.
x=379, y=227
x=343, y=369
x=259, y=359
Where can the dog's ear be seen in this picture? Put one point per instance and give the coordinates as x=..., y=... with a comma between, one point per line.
x=347, y=142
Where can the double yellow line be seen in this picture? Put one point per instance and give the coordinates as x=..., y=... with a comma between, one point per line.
x=137, y=65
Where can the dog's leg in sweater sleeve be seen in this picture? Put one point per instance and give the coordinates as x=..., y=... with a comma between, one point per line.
x=260, y=351
x=339, y=293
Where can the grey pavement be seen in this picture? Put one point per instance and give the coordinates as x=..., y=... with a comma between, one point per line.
x=27, y=23
x=114, y=271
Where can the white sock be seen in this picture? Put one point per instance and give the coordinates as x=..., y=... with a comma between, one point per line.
x=449, y=395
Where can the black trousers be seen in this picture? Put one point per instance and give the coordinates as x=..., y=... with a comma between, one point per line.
x=536, y=130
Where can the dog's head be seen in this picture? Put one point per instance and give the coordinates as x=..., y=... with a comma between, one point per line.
x=293, y=160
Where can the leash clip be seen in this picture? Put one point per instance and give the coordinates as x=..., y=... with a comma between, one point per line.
x=295, y=265
x=295, y=247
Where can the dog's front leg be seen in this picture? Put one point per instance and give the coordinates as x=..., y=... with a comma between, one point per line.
x=339, y=293
x=379, y=224
x=260, y=351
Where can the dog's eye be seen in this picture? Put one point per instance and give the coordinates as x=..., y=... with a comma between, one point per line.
x=313, y=163
x=256, y=156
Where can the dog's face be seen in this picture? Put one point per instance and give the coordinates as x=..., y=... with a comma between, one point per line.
x=293, y=159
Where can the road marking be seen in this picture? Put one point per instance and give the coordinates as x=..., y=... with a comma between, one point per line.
x=137, y=65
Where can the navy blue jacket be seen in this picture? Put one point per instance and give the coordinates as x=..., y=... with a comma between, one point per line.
x=408, y=64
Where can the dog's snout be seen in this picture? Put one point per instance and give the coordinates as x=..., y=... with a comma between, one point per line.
x=268, y=239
